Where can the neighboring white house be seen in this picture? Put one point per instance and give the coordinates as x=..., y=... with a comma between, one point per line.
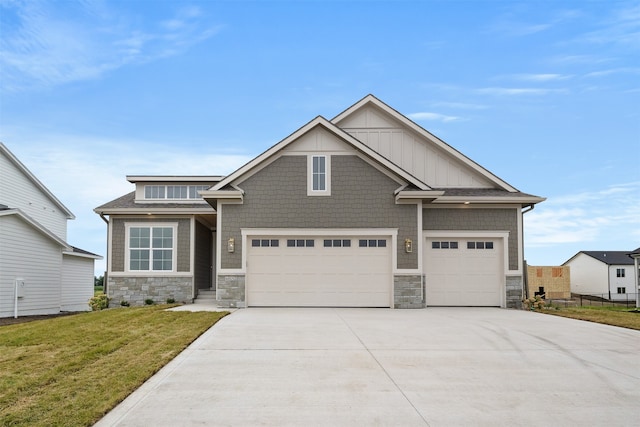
x=40, y=273
x=607, y=274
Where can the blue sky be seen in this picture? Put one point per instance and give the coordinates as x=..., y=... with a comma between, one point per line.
x=544, y=94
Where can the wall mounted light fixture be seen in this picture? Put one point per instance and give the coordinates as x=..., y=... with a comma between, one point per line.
x=408, y=246
x=231, y=245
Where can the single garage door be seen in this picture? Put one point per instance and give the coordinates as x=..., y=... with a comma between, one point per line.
x=319, y=271
x=463, y=272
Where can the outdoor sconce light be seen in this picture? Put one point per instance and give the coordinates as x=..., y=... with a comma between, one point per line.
x=231, y=245
x=408, y=246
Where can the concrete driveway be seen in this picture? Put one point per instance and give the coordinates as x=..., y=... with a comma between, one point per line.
x=381, y=367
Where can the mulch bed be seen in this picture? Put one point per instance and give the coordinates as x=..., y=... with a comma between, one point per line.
x=23, y=319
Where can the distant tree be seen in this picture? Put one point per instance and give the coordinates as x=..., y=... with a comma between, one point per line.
x=98, y=281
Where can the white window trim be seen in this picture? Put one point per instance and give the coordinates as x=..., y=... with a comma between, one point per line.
x=127, y=249
x=327, y=163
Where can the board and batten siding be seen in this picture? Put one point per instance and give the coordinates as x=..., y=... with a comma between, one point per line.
x=412, y=152
x=18, y=191
x=77, y=283
x=27, y=254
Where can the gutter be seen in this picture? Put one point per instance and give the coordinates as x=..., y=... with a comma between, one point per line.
x=103, y=218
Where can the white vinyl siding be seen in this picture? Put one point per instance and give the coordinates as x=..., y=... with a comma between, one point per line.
x=28, y=254
x=77, y=280
x=19, y=192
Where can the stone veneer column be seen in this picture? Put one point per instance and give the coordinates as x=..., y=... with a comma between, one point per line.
x=231, y=290
x=408, y=291
x=514, y=292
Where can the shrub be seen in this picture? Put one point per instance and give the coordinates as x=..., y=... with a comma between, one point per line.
x=148, y=301
x=535, y=302
x=124, y=303
x=170, y=300
x=99, y=302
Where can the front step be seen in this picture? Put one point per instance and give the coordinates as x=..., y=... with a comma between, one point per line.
x=205, y=296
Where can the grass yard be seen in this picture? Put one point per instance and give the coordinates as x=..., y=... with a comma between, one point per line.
x=616, y=316
x=72, y=370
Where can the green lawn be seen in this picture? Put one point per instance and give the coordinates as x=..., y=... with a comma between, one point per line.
x=72, y=370
x=616, y=316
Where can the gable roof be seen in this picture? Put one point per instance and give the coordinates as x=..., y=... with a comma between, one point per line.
x=635, y=254
x=34, y=224
x=415, y=188
x=332, y=128
x=372, y=100
x=36, y=182
x=607, y=257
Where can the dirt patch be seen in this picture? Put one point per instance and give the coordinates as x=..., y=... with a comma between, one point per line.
x=23, y=319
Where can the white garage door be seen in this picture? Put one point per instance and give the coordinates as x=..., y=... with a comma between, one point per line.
x=314, y=271
x=463, y=272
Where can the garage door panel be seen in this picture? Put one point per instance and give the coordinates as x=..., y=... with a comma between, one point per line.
x=319, y=275
x=467, y=273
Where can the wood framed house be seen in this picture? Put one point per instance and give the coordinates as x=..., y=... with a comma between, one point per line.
x=365, y=210
x=40, y=273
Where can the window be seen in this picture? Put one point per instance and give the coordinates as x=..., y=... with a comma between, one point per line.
x=179, y=192
x=622, y=290
x=265, y=243
x=337, y=243
x=300, y=243
x=319, y=176
x=151, y=248
x=372, y=243
x=479, y=245
x=556, y=272
x=444, y=245
x=154, y=191
x=620, y=272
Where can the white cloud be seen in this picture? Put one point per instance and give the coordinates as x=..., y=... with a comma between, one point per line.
x=611, y=214
x=504, y=91
x=47, y=45
x=541, y=77
x=433, y=116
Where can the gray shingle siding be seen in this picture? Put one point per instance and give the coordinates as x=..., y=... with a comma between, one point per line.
x=476, y=219
x=361, y=197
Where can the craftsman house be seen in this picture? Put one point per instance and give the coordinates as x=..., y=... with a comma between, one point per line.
x=365, y=210
x=40, y=273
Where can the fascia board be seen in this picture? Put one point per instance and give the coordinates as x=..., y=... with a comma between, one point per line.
x=79, y=255
x=36, y=225
x=476, y=199
x=13, y=159
x=265, y=155
x=226, y=195
x=426, y=134
x=418, y=195
x=173, y=178
x=156, y=211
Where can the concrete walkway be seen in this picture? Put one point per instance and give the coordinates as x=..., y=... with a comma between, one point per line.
x=367, y=367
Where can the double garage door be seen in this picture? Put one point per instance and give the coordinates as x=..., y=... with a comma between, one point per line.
x=463, y=271
x=329, y=271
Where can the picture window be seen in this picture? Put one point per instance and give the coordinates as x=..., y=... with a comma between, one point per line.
x=151, y=248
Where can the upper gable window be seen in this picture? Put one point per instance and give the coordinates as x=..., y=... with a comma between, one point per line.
x=319, y=176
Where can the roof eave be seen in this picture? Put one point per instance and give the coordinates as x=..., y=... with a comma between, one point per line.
x=491, y=200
